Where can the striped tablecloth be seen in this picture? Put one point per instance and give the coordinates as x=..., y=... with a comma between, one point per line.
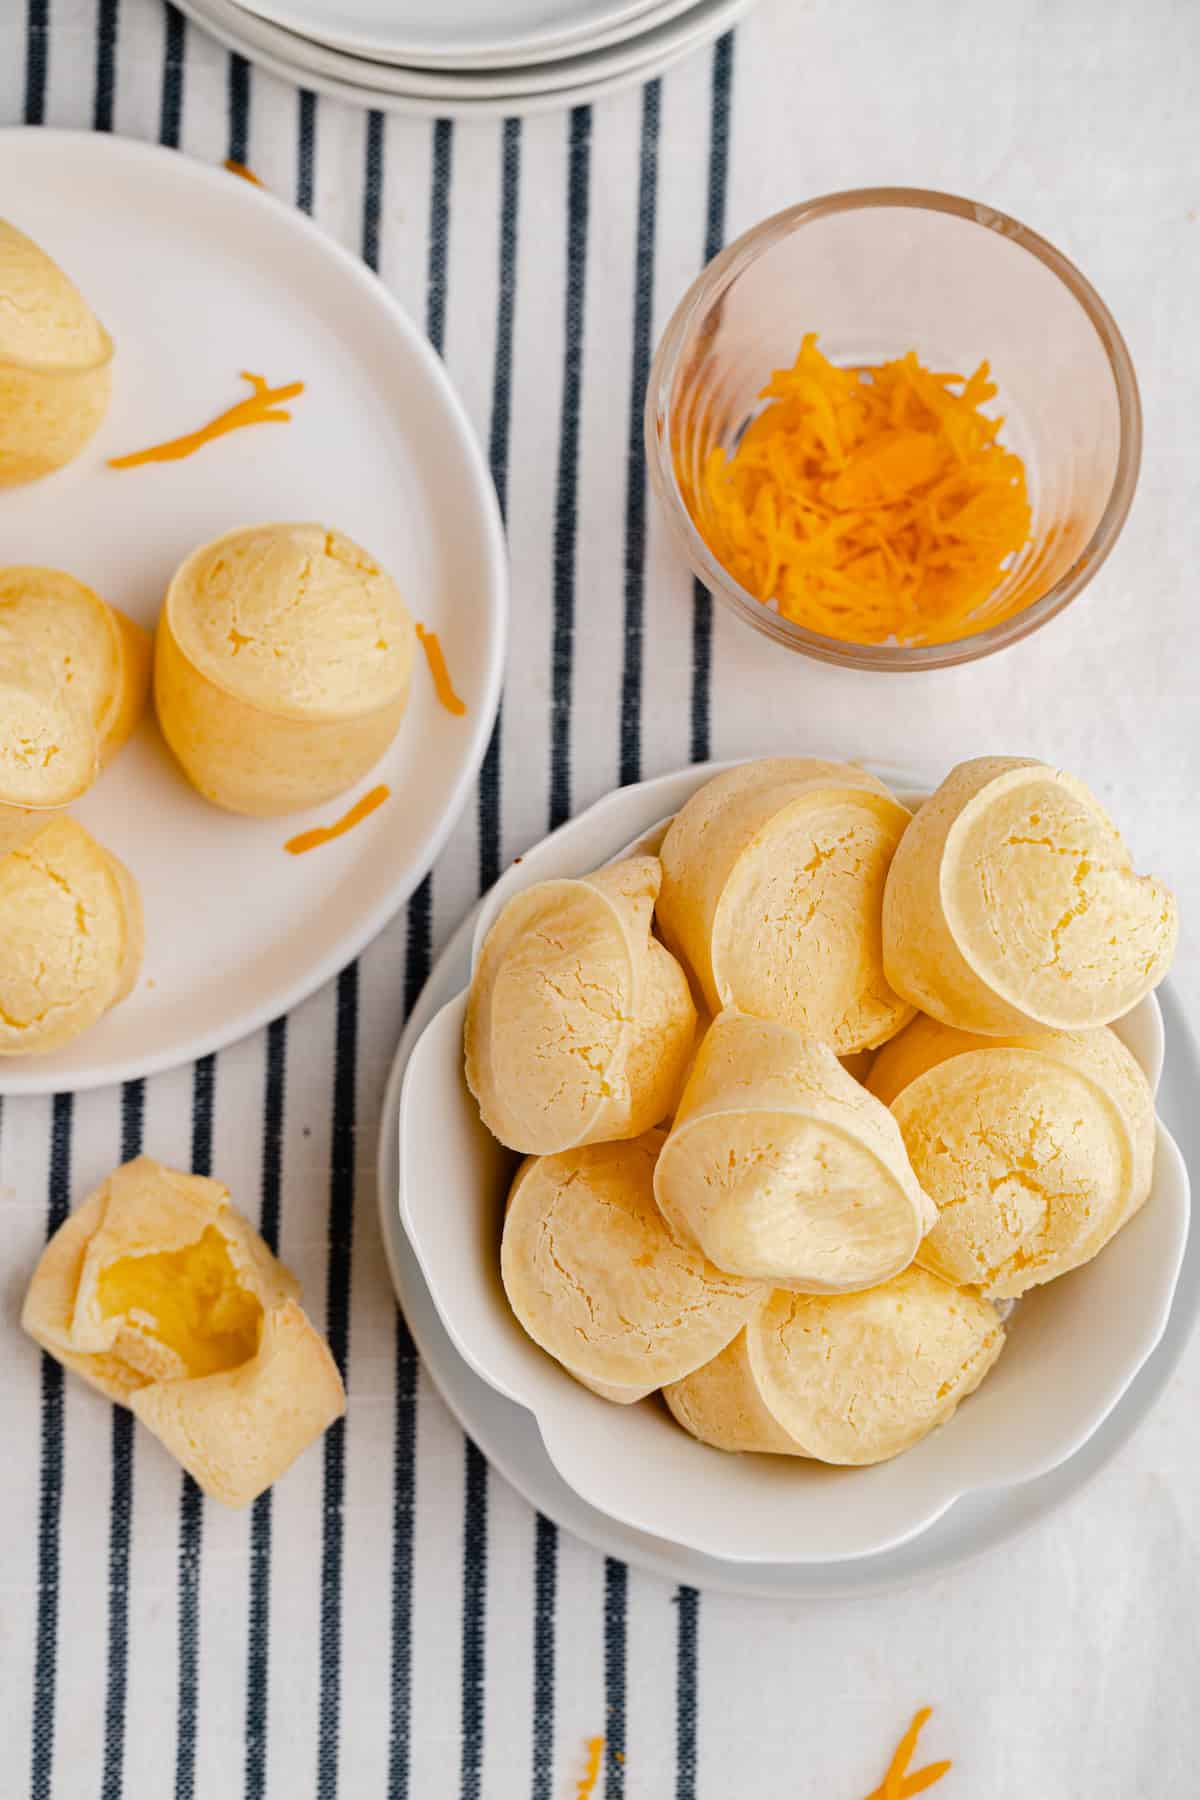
x=393, y=1620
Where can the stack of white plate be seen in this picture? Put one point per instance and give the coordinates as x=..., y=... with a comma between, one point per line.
x=470, y=58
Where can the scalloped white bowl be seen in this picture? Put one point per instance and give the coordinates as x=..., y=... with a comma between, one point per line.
x=1074, y=1346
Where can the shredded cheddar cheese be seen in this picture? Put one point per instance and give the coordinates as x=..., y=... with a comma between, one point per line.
x=431, y=644
x=325, y=834
x=586, y=1787
x=237, y=168
x=870, y=504
x=897, y=1783
x=262, y=406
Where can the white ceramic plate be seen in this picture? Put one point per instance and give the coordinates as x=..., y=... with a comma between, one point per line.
x=508, y=1435
x=1055, y=1384
x=426, y=93
x=464, y=34
x=199, y=275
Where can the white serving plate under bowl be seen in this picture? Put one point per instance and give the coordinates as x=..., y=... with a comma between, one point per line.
x=1074, y=1345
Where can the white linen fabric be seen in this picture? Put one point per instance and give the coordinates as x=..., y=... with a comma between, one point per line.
x=393, y=1620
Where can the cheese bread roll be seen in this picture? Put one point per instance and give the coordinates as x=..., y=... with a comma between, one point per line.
x=1030, y=1158
x=55, y=363
x=159, y=1293
x=49, y=755
x=71, y=924
x=99, y=658
x=783, y=1169
x=773, y=877
x=580, y=1024
x=844, y=1378
x=282, y=665
x=1012, y=901
x=594, y=1276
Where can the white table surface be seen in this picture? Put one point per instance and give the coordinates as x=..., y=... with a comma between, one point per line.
x=1065, y=1664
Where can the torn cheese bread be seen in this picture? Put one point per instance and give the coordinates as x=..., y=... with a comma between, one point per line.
x=783, y=1169
x=580, y=1024
x=283, y=659
x=595, y=1277
x=55, y=363
x=773, y=878
x=844, y=1378
x=1012, y=901
x=1030, y=1157
x=159, y=1293
x=91, y=682
x=71, y=925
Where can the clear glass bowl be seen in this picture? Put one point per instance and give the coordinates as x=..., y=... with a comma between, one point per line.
x=877, y=272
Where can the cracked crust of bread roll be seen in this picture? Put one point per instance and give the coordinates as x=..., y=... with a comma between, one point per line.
x=773, y=877
x=71, y=923
x=159, y=1293
x=48, y=749
x=580, y=1023
x=238, y=1431
x=1098, y=1053
x=784, y=1169
x=283, y=660
x=596, y=1279
x=55, y=363
x=1030, y=1161
x=848, y=1378
x=98, y=658
x=1012, y=901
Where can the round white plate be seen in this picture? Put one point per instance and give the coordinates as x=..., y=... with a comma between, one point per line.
x=428, y=94
x=509, y=1436
x=461, y=34
x=199, y=275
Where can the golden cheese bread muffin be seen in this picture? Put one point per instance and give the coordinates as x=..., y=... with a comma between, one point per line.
x=1012, y=901
x=159, y=1293
x=283, y=658
x=55, y=363
x=843, y=1378
x=772, y=894
x=48, y=750
x=71, y=925
x=580, y=1025
x=782, y=1168
x=1030, y=1159
x=594, y=1276
x=97, y=660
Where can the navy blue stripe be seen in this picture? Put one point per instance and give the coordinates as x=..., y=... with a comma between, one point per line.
x=170, y=119
x=439, y=234
x=490, y=817
x=191, y=1501
x=475, y=1550
x=545, y=1598
x=566, y=520
x=373, y=190
x=635, y=494
x=337, y=1327
x=120, y=1527
x=714, y=237
x=37, y=54
x=687, y=1602
x=306, y=154
x=259, y=1633
x=239, y=109
x=106, y=64
x=616, y=1604
x=45, y=1665
x=404, y=1477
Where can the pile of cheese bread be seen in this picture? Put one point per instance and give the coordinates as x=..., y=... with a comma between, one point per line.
x=280, y=671
x=803, y=1096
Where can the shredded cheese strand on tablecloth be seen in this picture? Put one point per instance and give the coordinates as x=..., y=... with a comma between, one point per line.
x=868, y=504
x=897, y=1783
x=260, y=407
x=586, y=1786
